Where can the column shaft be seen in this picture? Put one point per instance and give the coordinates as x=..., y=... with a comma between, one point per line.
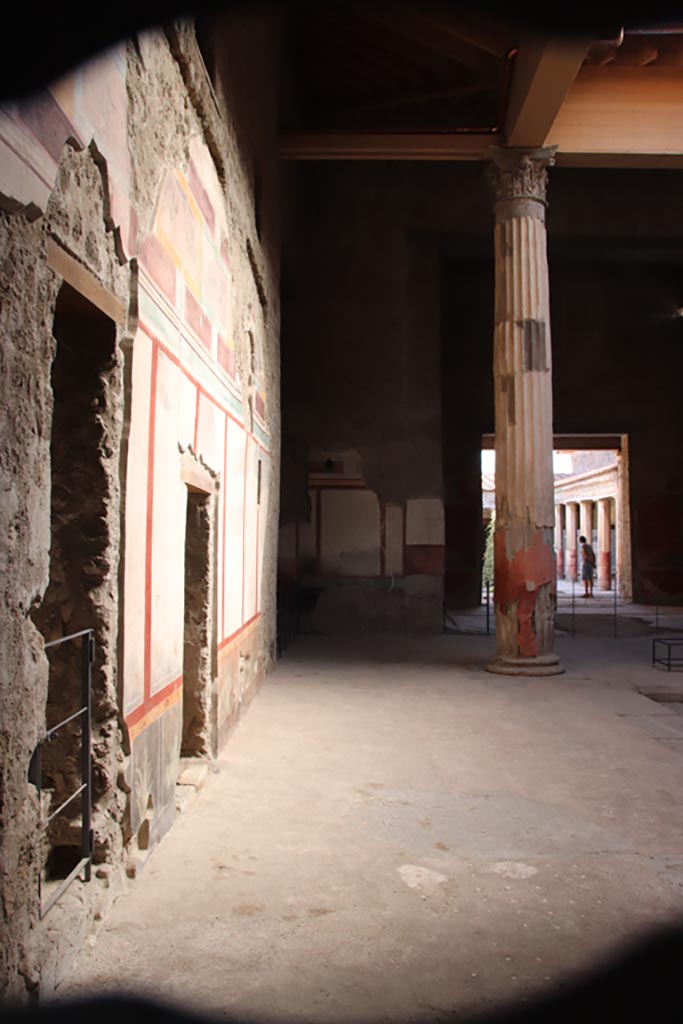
x=587, y=520
x=604, y=544
x=559, y=548
x=572, y=534
x=524, y=562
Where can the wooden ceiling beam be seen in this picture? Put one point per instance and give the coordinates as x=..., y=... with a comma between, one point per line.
x=384, y=146
x=370, y=39
x=413, y=25
x=343, y=50
x=439, y=146
x=491, y=39
x=346, y=69
x=543, y=75
x=454, y=92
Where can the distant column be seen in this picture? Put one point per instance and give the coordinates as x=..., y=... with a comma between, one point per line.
x=524, y=563
x=587, y=520
x=559, y=549
x=572, y=520
x=604, y=544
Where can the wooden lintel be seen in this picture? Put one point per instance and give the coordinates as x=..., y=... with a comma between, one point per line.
x=623, y=160
x=385, y=146
x=84, y=282
x=572, y=442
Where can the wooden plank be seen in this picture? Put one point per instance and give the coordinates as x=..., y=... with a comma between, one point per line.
x=620, y=112
x=84, y=282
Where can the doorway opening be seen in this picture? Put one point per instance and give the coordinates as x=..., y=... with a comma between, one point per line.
x=83, y=565
x=196, y=740
x=591, y=500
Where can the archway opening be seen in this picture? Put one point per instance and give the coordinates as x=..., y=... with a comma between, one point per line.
x=591, y=500
x=197, y=671
x=83, y=570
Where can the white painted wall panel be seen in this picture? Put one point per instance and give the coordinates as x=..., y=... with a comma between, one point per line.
x=349, y=543
x=425, y=521
x=136, y=527
x=168, y=548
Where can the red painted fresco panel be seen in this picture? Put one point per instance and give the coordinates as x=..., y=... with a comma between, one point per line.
x=226, y=357
x=202, y=199
x=197, y=319
x=159, y=266
x=425, y=559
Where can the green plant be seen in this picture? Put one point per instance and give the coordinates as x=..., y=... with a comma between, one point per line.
x=487, y=564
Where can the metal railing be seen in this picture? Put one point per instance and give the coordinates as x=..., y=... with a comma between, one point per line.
x=611, y=613
x=606, y=602
x=84, y=791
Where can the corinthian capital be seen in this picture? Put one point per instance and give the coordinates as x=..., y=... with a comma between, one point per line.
x=521, y=173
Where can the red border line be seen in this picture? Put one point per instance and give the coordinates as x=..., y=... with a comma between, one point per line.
x=144, y=709
x=405, y=536
x=296, y=550
x=150, y=522
x=244, y=518
x=169, y=310
x=258, y=525
x=194, y=380
x=318, y=528
x=225, y=506
x=148, y=701
x=24, y=161
x=196, y=422
x=382, y=538
x=233, y=636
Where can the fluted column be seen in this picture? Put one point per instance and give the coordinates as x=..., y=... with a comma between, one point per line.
x=604, y=544
x=524, y=561
x=587, y=521
x=559, y=549
x=572, y=527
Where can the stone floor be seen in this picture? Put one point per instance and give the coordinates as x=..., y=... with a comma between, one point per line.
x=393, y=832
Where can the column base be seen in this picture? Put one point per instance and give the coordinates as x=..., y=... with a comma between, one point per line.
x=543, y=665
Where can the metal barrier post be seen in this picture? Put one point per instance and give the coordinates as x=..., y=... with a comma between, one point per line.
x=488, y=607
x=573, y=608
x=84, y=865
x=87, y=658
x=615, y=604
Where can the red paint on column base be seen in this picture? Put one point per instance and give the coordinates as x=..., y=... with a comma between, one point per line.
x=604, y=570
x=532, y=566
x=560, y=562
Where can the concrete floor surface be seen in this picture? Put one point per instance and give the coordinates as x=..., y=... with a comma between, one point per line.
x=393, y=832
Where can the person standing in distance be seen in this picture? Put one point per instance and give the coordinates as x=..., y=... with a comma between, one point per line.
x=587, y=566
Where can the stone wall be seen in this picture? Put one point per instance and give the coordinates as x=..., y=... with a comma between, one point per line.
x=129, y=190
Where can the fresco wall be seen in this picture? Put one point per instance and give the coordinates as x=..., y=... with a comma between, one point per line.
x=371, y=563
x=128, y=181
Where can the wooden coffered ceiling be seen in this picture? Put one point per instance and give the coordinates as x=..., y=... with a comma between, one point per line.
x=433, y=80
x=397, y=66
